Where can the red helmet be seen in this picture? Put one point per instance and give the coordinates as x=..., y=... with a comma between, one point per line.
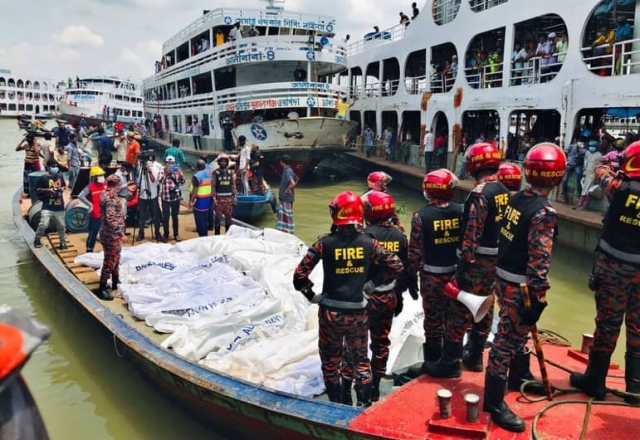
x=510, y=176
x=346, y=209
x=378, y=180
x=545, y=165
x=631, y=160
x=378, y=206
x=481, y=157
x=439, y=184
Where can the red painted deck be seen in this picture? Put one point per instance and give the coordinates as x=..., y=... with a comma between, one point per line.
x=411, y=412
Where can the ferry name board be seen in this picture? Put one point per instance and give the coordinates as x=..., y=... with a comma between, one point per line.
x=269, y=55
x=260, y=104
x=286, y=22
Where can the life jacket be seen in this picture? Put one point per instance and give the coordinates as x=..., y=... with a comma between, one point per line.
x=96, y=189
x=440, y=237
x=224, y=180
x=621, y=230
x=513, y=250
x=346, y=262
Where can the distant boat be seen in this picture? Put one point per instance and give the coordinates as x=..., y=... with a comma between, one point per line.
x=28, y=96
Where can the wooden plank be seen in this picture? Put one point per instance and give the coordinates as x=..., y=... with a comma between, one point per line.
x=83, y=269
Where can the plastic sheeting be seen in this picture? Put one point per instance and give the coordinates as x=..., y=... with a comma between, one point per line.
x=229, y=303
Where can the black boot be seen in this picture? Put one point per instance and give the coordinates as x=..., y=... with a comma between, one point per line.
x=501, y=414
x=103, y=293
x=593, y=381
x=449, y=364
x=345, y=392
x=115, y=280
x=333, y=391
x=519, y=371
x=432, y=350
x=217, y=230
x=472, y=355
x=375, y=387
x=363, y=394
x=632, y=378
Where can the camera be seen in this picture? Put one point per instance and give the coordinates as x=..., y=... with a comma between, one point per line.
x=144, y=157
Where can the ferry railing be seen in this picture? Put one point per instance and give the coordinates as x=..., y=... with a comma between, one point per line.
x=445, y=11
x=620, y=58
x=485, y=77
x=390, y=87
x=441, y=83
x=376, y=39
x=535, y=70
x=416, y=84
x=481, y=5
x=278, y=43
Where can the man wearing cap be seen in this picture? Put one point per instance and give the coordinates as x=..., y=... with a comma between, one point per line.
x=284, y=216
x=171, y=180
x=73, y=158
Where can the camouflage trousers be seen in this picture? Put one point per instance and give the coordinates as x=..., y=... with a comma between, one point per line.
x=343, y=334
x=112, y=247
x=380, y=316
x=224, y=207
x=511, y=336
x=483, y=274
x=617, y=298
x=436, y=304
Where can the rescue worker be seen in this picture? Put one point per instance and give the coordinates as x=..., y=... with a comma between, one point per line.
x=616, y=279
x=347, y=256
x=385, y=301
x=435, y=234
x=378, y=181
x=224, y=194
x=112, y=236
x=90, y=196
x=200, y=197
x=510, y=176
x=524, y=255
x=477, y=255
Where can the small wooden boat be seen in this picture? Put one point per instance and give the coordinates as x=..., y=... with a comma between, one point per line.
x=253, y=206
x=246, y=410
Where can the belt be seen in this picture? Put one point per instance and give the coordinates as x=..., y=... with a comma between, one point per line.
x=624, y=256
x=328, y=302
x=438, y=269
x=386, y=287
x=482, y=250
x=511, y=277
x=224, y=195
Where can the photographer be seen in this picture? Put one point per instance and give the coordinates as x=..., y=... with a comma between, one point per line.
x=148, y=196
x=171, y=180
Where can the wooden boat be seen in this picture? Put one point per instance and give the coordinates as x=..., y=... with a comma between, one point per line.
x=245, y=410
x=252, y=206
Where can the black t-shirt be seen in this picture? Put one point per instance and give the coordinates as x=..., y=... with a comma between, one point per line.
x=52, y=202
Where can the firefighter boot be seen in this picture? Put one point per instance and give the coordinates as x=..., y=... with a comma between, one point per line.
x=593, y=381
x=103, y=293
x=375, y=386
x=472, y=358
x=501, y=414
x=115, y=280
x=363, y=394
x=632, y=378
x=519, y=372
x=449, y=364
x=333, y=392
x=345, y=392
x=432, y=350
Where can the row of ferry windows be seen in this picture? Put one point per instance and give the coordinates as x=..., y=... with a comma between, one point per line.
x=22, y=84
x=27, y=107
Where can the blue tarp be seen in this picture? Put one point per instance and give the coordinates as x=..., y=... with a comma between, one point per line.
x=608, y=5
x=623, y=112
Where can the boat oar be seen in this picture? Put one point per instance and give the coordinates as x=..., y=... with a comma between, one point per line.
x=536, y=342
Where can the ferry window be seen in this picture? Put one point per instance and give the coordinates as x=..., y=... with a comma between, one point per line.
x=3, y=107
x=272, y=30
x=444, y=67
x=27, y=85
x=182, y=52
x=11, y=83
x=481, y=5
x=12, y=107
x=225, y=78
x=539, y=49
x=204, y=125
x=390, y=76
x=3, y=83
x=483, y=65
x=528, y=127
x=20, y=107
x=415, y=72
x=389, y=120
x=20, y=84
x=608, y=40
x=480, y=126
x=372, y=80
x=200, y=43
x=202, y=83
x=445, y=11
x=281, y=31
x=370, y=120
x=29, y=107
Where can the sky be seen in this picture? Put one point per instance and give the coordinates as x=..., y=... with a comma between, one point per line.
x=56, y=39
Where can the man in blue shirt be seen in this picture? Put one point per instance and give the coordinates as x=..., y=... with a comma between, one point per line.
x=61, y=133
x=105, y=147
x=73, y=159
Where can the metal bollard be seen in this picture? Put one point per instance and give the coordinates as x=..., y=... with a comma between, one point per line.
x=472, y=408
x=587, y=342
x=444, y=402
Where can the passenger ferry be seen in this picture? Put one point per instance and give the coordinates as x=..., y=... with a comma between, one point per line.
x=99, y=99
x=29, y=96
x=276, y=84
x=457, y=68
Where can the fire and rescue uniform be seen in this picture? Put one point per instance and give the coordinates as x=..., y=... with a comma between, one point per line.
x=112, y=231
x=616, y=280
x=435, y=234
x=201, y=180
x=224, y=196
x=394, y=217
x=347, y=256
x=477, y=262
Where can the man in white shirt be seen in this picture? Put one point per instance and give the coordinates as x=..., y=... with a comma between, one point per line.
x=243, y=162
x=120, y=145
x=428, y=149
x=196, y=132
x=235, y=34
x=518, y=57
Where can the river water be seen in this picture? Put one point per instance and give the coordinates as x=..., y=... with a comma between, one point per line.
x=85, y=391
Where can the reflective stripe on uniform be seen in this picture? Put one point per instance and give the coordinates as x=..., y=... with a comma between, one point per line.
x=482, y=250
x=624, y=256
x=511, y=277
x=438, y=269
x=327, y=302
x=386, y=287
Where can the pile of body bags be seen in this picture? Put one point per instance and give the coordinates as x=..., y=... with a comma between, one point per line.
x=228, y=302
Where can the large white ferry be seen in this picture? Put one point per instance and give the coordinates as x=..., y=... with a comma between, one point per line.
x=455, y=69
x=276, y=87
x=100, y=98
x=27, y=95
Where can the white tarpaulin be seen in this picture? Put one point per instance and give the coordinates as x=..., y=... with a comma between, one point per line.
x=228, y=302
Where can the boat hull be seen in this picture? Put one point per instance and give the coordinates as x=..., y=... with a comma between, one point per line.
x=75, y=114
x=251, y=207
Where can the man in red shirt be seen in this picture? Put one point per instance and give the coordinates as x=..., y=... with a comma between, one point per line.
x=439, y=151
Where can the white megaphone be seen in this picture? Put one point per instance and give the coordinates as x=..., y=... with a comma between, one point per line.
x=477, y=305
